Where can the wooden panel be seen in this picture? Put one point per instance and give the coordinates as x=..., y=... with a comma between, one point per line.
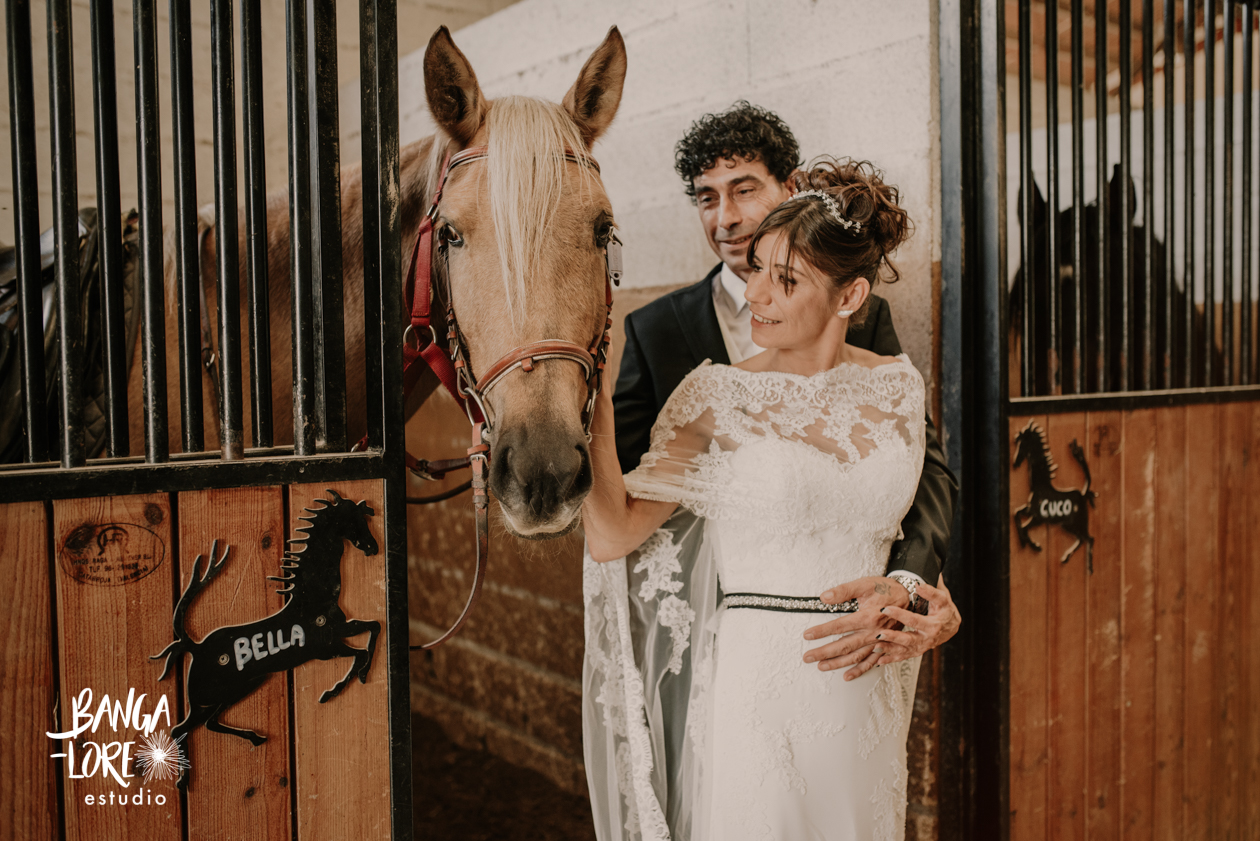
x=1068, y=660
x=1137, y=608
x=1105, y=455
x=115, y=578
x=1250, y=781
x=343, y=771
x=1202, y=495
x=1235, y=419
x=1170, y=599
x=28, y=777
x=238, y=791
x=1029, y=672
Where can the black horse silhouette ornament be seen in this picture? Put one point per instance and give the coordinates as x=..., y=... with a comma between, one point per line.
x=1048, y=504
x=232, y=662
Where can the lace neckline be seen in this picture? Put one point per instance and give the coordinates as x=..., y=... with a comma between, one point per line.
x=899, y=359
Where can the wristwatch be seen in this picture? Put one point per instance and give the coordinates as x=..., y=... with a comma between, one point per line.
x=917, y=605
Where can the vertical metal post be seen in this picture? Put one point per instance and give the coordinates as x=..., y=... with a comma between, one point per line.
x=26, y=229
x=256, y=225
x=373, y=329
x=1125, y=210
x=1247, y=327
x=330, y=356
x=1148, y=195
x=1188, y=377
x=1103, y=228
x=187, y=252
x=227, y=242
x=1028, y=348
x=149, y=170
x=109, y=221
x=304, y=416
x=1227, y=221
x=1053, y=362
x=1209, y=191
x=65, y=192
x=1078, y=197
x=1168, y=356
x=380, y=23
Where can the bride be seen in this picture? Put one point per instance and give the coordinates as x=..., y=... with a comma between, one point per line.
x=765, y=483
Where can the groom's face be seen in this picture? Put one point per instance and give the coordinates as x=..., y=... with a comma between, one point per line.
x=733, y=196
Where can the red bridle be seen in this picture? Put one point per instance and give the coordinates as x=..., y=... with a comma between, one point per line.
x=453, y=369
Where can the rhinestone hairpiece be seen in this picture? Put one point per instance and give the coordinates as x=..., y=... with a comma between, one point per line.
x=832, y=207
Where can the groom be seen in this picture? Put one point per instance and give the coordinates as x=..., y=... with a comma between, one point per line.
x=734, y=165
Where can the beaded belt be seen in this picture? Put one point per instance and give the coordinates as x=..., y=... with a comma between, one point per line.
x=786, y=604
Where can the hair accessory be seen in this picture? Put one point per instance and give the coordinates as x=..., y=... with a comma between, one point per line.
x=844, y=313
x=832, y=207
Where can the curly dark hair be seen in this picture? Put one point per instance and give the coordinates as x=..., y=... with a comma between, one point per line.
x=741, y=131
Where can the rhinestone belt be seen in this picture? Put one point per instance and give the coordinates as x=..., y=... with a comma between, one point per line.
x=786, y=604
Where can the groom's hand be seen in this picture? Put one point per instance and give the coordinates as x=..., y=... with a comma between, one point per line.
x=860, y=649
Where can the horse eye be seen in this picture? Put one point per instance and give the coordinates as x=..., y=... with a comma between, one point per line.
x=450, y=236
x=603, y=233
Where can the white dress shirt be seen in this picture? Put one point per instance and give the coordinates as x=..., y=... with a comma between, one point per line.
x=735, y=321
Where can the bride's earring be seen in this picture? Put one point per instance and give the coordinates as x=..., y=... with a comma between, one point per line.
x=844, y=313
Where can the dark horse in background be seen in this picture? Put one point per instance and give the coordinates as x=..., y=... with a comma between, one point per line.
x=1140, y=288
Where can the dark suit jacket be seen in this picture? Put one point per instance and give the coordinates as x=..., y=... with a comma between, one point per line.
x=669, y=337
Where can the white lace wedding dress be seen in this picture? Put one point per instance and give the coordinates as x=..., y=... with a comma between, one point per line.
x=703, y=723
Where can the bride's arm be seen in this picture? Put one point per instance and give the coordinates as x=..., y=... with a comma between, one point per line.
x=615, y=523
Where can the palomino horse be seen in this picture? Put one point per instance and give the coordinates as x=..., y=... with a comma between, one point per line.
x=525, y=231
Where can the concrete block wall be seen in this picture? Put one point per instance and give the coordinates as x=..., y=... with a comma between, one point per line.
x=851, y=78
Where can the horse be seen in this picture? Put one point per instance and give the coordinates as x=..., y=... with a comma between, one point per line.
x=230, y=663
x=1048, y=504
x=524, y=232
x=1140, y=287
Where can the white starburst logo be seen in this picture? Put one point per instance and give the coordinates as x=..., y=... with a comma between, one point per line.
x=160, y=758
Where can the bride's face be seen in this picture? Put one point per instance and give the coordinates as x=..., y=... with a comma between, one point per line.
x=792, y=304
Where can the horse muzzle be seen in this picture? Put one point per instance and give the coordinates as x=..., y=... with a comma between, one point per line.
x=540, y=478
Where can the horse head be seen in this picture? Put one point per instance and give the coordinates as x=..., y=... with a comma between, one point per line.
x=1025, y=443
x=521, y=238
x=352, y=519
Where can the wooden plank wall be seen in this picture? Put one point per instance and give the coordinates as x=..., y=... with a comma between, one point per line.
x=93, y=592
x=1133, y=688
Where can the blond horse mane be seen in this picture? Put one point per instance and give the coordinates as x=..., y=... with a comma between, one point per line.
x=527, y=141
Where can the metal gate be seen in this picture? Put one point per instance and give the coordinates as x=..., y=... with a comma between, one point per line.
x=105, y=558
x=1100, y=313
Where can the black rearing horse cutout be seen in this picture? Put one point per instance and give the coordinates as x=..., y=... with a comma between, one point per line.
x=1048, y=504
x=232, y=662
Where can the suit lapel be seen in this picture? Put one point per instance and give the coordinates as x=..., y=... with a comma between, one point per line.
x=698, y=322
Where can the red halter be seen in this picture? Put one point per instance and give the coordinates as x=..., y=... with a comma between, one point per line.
x=420, y=342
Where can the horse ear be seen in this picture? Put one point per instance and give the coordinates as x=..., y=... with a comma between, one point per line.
x=336, y=496
x=450, y=85
x=593, y=100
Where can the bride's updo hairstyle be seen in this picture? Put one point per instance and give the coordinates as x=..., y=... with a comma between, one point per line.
x=877, y=224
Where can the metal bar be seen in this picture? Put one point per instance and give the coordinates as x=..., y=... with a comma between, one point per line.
x=1124, y=360
x=1147, y=355
x=1188, y=377
x=1128, y=401
x=227, y=242
x=1053, y=362
x=1168, y=355
x=45, y=482
x=330, y=356
x=1028, y=259
x=383, y=87
x=187, y=253
x=256, y=225
x=1078, y=196
x=1103, y=229
x=1227, y=221
x=109, y=222
x=373, y=330
x=65, y=191
x=1209, y=191
x=26, y=229
x=304, y=422
x=149, y=267
x=1247, y=327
